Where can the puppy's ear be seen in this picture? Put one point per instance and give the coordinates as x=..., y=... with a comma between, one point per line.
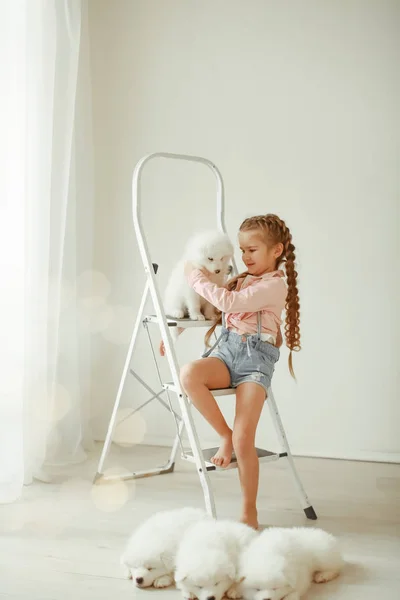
x=289, y=578
x=231, y=572
x=180, y=576
x=125, y=567
x=164, y=558
x=127, y=572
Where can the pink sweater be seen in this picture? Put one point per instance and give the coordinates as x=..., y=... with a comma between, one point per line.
x=253, y=294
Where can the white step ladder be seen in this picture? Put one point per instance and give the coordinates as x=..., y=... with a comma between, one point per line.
x=200, y=457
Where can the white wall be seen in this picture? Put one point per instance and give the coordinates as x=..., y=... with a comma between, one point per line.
x=297, y=103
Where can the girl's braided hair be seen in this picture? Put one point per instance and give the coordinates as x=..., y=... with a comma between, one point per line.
x=276, y=231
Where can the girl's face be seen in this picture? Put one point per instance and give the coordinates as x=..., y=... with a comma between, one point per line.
x=256, y=255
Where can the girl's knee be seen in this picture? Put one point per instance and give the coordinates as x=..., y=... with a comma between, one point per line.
x=242, y=440
x=188, y=375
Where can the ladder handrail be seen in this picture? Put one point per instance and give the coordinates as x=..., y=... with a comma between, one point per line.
x=136, y=195
x=142, y=243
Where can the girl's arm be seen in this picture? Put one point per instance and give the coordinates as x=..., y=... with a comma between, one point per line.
x=268, y=292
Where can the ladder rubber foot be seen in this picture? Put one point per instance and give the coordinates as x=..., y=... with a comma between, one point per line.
x=97, y=477
x=310, y=513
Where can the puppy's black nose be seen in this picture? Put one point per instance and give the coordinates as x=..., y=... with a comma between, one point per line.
x=139, y=580
x=218, y=271
x=210, y=597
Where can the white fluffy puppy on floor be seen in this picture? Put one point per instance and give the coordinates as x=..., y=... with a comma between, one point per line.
x=149, y=558
x=281, y=563
x=210, y=249
x=208, y=558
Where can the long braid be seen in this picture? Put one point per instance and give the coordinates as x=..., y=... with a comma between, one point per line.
x=292, y=324
x=276, y=232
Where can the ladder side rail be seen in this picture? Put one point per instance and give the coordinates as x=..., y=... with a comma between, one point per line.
x=165, y=333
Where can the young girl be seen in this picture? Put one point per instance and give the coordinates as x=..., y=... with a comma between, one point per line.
x=251, y=308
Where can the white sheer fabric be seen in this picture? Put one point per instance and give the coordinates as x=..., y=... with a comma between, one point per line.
x=46, y=217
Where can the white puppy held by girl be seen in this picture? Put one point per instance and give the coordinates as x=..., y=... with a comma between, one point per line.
x=211, y=250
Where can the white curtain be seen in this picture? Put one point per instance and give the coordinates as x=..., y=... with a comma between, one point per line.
x=46, y=224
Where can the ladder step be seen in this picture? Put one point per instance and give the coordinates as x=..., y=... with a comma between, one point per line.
x=184, y=323
x=208, y=453
x=221, y=392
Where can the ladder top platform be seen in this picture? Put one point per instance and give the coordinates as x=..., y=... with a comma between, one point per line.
x=184, y=323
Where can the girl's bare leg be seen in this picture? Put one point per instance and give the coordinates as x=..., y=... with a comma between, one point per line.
x=198, y=378
x=174, y=334
x=250, y=398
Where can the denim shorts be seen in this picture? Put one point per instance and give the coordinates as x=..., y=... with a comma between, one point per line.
x=247, y=357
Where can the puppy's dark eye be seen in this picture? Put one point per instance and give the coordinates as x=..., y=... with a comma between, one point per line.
x=210, y=259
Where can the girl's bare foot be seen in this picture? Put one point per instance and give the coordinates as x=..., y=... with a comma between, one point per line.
x=249, y=517
x=224, y=454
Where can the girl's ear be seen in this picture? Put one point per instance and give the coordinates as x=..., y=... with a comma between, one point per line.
x=278, y=250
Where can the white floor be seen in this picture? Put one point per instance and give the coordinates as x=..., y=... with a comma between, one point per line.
x=63, y=539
